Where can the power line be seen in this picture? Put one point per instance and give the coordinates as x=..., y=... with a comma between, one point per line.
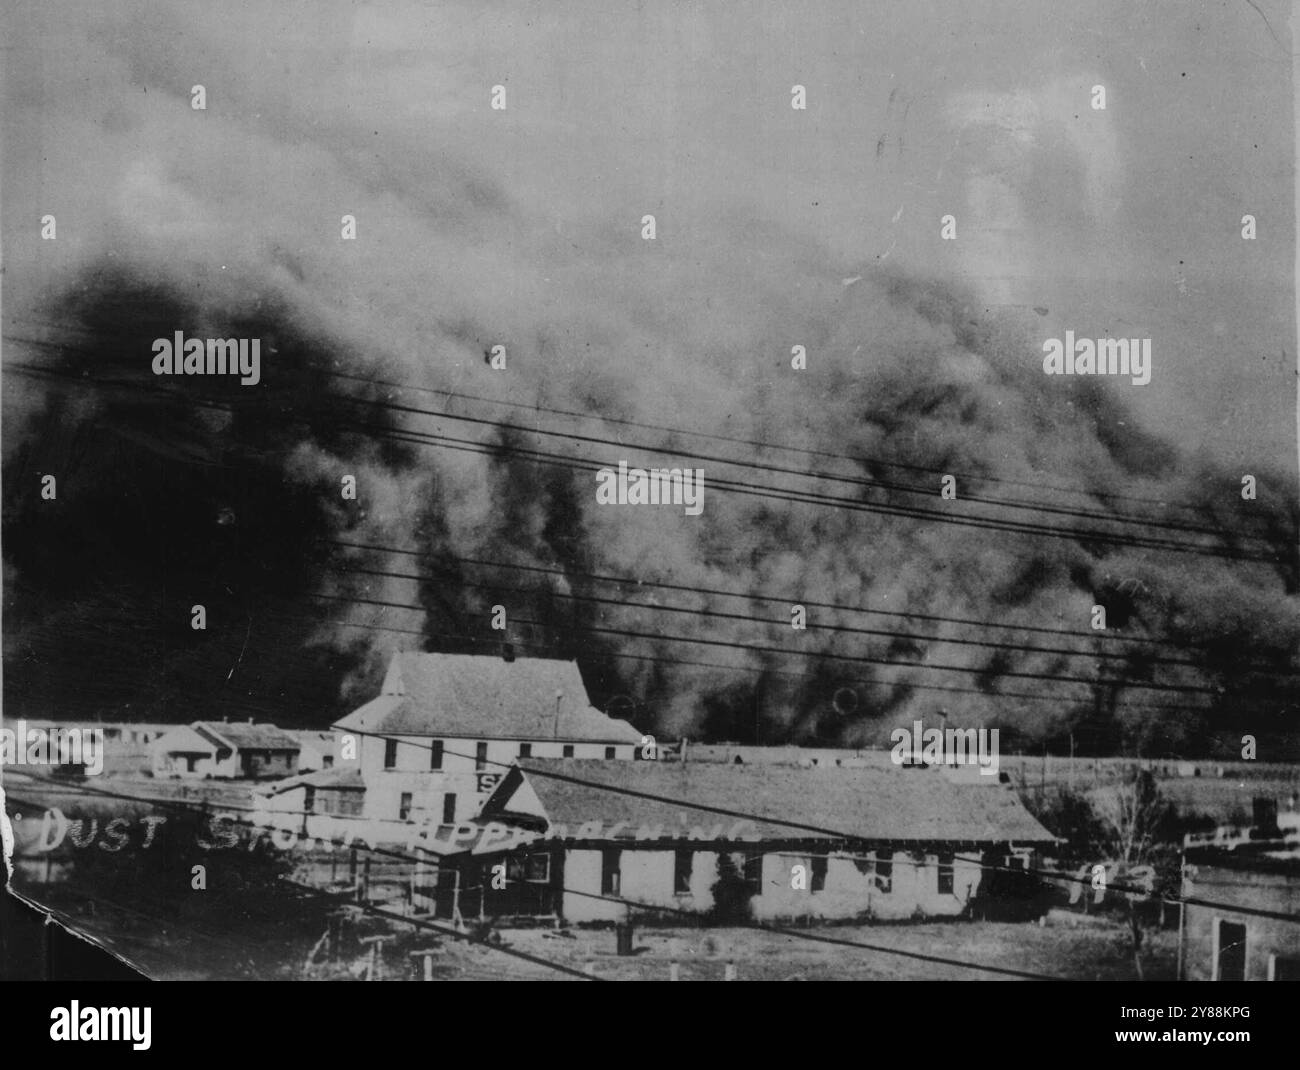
x=721, y=811
x=779, y=469
x=661, y=659
x=753, y=443
x=811, y=626
x=429, y=439
x=557, y=460
x=741, y=923
x=420, y=923
x=819, y=830
x=692, y=589
x=823, y=655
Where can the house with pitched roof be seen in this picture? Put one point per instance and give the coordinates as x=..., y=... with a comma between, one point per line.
x=575, y=838
x=225, y=749
x=445, y=728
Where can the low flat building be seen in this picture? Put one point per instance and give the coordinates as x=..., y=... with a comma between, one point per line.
x=805, y=843
x=1242, y=886
x=229, y=749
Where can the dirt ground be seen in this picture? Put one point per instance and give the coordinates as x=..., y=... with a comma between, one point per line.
x=1095, y=951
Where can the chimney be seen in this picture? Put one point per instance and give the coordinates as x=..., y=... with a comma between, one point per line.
x=508, y=651
x=250, y=720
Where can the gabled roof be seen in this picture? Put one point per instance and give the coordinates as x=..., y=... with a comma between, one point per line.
x=472, y=696
x=184, y=739
x=244, y=736
x=898, y=805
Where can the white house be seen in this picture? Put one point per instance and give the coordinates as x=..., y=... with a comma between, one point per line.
x=317, y=750
x=882, y=842
x=225, y=749
x=446, y=727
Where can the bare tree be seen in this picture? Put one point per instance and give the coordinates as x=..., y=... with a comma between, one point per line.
x=1133, y=816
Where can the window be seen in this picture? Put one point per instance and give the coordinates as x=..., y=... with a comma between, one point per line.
x=945, y=874
x=538, y=868
x=609, y=752
x=435, y=754
x=818, y=873
x=1283, y=969
x=884, y=870
x=309, y=799
x=404, y=807
x=448, y=808
x=350, y=803
x=390, y=754
x=610, y=877
x=480, y=757
x=753, y=870
x=525, y=750
x=568, y=750
x=327, y=762
x=1229, y=951
x=683, y=865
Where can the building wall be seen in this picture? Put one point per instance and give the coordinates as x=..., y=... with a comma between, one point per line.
x=311, y=758
x=1264, y=936
x=852, y=888
x=175, y=765
x=168, y=765
x=384, y=791
x=284, y=812
x=458, y=775
x=413, y=753
x=271, y=765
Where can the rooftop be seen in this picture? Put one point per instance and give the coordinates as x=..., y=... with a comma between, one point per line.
x=472, y=696
x=339, y=778
x=247, y=736
x=868, y=804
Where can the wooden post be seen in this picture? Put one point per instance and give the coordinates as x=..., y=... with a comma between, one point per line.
x=375, y=970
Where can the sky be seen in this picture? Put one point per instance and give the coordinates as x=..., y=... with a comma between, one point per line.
x=774, y=227
x=1124, y=221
